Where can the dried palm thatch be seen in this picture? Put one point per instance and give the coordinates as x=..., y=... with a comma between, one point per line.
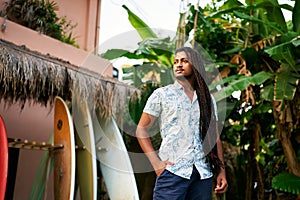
x=28, y=76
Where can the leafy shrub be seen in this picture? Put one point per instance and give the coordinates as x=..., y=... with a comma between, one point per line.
x=40, y=15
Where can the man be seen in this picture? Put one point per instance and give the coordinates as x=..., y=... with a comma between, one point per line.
x=187, y=117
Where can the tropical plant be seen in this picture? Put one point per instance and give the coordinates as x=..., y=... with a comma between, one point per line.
x=287, y=182
x=156, y=54
x=262, y=46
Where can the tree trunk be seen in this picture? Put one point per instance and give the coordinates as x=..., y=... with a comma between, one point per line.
x=249, y=175
x=283, y=134
x=259, y=175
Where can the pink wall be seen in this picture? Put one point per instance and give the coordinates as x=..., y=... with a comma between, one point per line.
x=86, y=15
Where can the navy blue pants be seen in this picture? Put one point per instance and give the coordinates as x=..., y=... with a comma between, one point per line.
x=170, y=186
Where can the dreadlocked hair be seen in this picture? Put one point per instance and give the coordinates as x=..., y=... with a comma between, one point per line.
x=207, y=125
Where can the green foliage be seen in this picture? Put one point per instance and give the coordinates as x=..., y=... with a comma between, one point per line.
x=210, y=33
x=272, y=25
x=141, y=27
x=158, y=50
x=287, y=76
x=286, y=83
x=287, y=183
x=112, y=54
x=156, y=54
x=240, y=84
x=296, y=17
x=258, y=33
x=40, y=15
x=137, y=104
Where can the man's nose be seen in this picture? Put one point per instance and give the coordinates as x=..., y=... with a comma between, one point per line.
x=179, y=64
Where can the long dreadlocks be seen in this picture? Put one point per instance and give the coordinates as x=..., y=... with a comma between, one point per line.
x=207, y=125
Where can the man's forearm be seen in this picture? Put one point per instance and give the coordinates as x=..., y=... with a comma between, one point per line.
x=148, y=149
x=220, y=152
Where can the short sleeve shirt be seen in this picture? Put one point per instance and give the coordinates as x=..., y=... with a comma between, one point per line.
x=179, y=128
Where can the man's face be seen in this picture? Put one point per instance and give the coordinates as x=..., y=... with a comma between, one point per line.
x=182, y=67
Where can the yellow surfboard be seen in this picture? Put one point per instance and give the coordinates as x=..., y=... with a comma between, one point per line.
x=86, y=167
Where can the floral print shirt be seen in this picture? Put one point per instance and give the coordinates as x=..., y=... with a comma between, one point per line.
x=179, y=128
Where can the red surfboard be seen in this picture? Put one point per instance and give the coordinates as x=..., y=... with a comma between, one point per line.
x=3, y=158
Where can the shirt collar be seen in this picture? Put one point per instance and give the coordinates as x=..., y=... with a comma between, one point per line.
x=178, y=85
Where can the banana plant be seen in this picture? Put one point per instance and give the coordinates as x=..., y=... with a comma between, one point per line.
x=156, y=54
x=282, y=83
x=265, y=50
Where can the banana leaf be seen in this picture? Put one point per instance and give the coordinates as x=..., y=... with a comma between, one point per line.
x=287, y=77
x=141, y=27
x=272, y=10
x=267, y=92
x=284, y=52
x=241, y=84
x=286, y=82
x=161, y=48
x=112, y=54
x=285, y=86
x=231, y=4
x=296, y=17
x=287, y=183
x=272, y=25
x=153, y=49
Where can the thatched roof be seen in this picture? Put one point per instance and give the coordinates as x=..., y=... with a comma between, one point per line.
x=29, y=76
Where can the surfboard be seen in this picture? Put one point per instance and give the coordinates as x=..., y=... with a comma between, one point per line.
x=115, y=164
x=64, y=158
x=86, y=166
x=3, y=158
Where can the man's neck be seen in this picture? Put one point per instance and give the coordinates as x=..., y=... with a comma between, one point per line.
x=187, y=84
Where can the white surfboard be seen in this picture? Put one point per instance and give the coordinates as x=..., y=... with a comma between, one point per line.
x=115, y=164
x=86, y=166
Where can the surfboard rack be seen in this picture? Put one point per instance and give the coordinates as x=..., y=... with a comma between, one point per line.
x=33, y=145
x=80, y=147
x=102, y=149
